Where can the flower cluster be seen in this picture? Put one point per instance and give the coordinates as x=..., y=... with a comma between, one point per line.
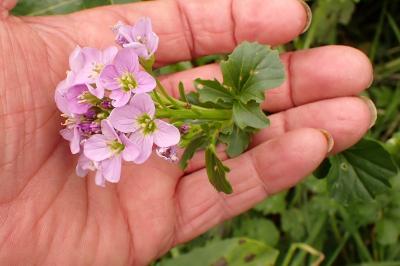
x=108, y=108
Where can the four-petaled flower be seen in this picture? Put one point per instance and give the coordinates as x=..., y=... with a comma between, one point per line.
x=87, y=64
x=139, y=37
x=108, y=149
x=124, y=78
x=137, y=118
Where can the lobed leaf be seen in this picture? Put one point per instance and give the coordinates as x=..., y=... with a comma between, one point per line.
x=249, y=115
x=237, y=140
x=216, y=172
x=196, y=144
x=233, y=252
x=360, y=173
x=251, y=69
x=213, y=91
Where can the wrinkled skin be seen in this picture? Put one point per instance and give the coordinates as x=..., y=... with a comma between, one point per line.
x=49, y=216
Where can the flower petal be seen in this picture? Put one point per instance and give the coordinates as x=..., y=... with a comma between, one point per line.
x=92, y=55
x=62, y=103
x=140, y=48
x=166, y=134
x=75, y=144
x=98, y=91
x=99, y=179
x=142, y=27
x=83, y=166
x=76, y=59
x=109, y=55
x=120, y=98
x=131, y=151
x=124, y=118
x=145, y=82
x=111, y=169
x=108, y=78
x=126, y=60
x=144, y=103
x=67, y=133
x=96, y=148
x=74, y=138
x=152, y=44
x=145, y=144
x=108, y=130
x=72, y=97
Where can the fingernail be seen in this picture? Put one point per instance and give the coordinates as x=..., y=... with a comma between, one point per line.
x=309, y=14
x=371, y=82
x=372, y=109
x=329, y=139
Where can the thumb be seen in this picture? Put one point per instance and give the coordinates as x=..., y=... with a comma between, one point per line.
x=6, y=6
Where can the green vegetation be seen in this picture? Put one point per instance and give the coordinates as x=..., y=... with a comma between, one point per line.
x=312, y=223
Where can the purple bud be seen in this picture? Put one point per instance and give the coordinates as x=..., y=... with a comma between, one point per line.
x=168, y=153
x=90, y=114
x=119, y=39
x=184, y=129
x=106, y=104
x=89, y=127
x=84, y=127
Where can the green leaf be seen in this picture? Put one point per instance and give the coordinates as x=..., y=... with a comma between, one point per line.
x=197, y=143
x=275, y=204
x=251, y=69
x=182, y=94
x=387, y=232
x=293, y=223
x=52, y=7
x=216, y=172
x=259, y=229
x=249, y=115
x=213, y=91
x=323, y=169
x=237, y=140
x=360, y=173
x=232, y=252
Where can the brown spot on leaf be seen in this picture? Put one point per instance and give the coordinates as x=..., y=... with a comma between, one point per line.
x=249, y=257
x=220, y=262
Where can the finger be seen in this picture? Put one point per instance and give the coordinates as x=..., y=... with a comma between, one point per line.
x=5, y=7
x=267, y=169
x=191, y=28
x=311, y=75
x=347, y=119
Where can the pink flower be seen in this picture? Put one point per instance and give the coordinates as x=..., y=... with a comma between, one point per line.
x=76, y=99
x=71, y=131
x=137, y=118
x=87, y=63
x=124, y=77
x=140, y=37
x=72, y=134
x=84, y=165
x=108, y=149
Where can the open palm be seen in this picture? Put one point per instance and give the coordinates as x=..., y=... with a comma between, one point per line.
x=48, y=215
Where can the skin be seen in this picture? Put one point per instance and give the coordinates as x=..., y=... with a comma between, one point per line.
x=49, y=216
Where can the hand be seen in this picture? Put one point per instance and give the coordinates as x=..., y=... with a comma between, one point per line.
x=48, y=215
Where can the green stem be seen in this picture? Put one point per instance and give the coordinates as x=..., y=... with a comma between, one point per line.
x=176, y=103
x=316, y=230
x=362, y=248
x=204, y=114
x=386, y=263
x=338, y=249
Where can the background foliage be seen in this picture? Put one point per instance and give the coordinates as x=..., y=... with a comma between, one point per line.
x=305, y=224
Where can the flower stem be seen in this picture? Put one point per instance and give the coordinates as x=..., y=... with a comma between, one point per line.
x=204, y=114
